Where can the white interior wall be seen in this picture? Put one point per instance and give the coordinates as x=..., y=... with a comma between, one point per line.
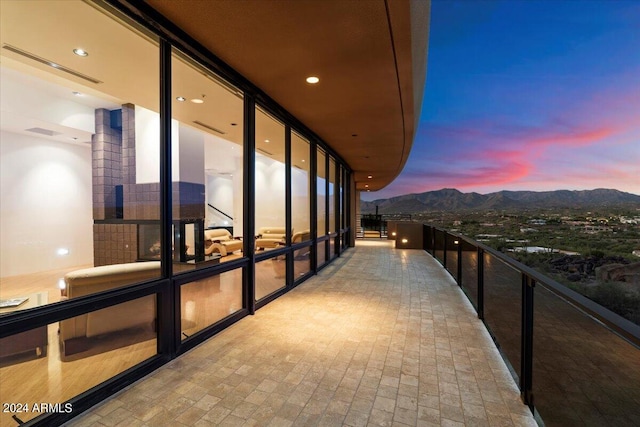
x=45, y=204
x=270, y=193
x=219, y=194
x=300, y=200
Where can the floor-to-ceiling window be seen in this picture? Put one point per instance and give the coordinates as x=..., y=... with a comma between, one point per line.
x=332, y=202
x=321, y=205
x=270, y=203
x=207, y=186
x=82, y=212
x=79, y=197
x=300, y=203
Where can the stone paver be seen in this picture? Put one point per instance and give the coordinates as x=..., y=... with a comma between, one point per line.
x=380, y=337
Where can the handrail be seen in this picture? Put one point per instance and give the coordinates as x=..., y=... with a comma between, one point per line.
x=609, y=343
x=613, y=321
x=213, y=207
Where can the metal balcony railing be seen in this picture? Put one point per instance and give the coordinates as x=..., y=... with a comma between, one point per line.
x=575, y=362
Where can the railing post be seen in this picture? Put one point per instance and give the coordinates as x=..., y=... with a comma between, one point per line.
x=480, y=283
x=526, y=359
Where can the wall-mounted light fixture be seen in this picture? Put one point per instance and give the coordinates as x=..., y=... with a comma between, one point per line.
x=393, y=234
x=62, y=251
x=405, y=241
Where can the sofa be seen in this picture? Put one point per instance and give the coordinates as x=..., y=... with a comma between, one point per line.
x=270, y=237
x=220, y=240
x=131, y=314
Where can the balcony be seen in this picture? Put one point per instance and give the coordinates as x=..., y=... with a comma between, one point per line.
x=379, y=337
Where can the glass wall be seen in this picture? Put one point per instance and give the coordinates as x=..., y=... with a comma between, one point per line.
x=300, y=188
x=321, y=189
x=80, y=202
x=271, y=275
x=333, y=226
x=270, y=194
x=72, y=194
x=55, y=362
x=207, y=301
x=207, y=166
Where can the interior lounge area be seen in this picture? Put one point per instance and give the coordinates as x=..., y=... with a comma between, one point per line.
x=152, y=195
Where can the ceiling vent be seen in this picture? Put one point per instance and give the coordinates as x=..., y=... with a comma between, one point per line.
x=42, y=131
x=221, y=132
x=264, y=151
x=51, y=64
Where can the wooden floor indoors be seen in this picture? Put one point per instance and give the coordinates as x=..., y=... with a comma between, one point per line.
x=29, y=379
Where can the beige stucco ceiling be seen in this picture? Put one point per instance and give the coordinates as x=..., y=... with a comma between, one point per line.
x=370, y=56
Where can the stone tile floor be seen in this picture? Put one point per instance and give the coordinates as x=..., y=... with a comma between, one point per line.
x=381, y=337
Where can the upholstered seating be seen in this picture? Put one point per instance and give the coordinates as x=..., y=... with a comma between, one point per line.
x=136, y=313
x=220, y=240
x=270, y=237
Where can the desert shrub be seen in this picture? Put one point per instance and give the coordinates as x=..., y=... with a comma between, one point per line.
x=617, y=299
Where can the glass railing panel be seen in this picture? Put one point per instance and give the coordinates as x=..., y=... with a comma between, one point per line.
x=503, y=307
x=206, y=301
x=439, y=245
x=46, y=366
x=583, y=373
x=470, y=271
x=271, y=275
x=452, y=255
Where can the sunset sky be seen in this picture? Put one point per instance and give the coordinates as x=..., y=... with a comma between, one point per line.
x=528, y=95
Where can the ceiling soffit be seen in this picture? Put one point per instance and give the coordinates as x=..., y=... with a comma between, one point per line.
x=360, y=50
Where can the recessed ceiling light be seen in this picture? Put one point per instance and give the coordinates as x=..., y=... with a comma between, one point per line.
x=80, y=52
x=370, y=176
x=181, y=98
x=368, y=191
x=303, y=160
x=197, y=101
x=78, y=93
x=266, y=140
x=313, y=80
x=366, y=186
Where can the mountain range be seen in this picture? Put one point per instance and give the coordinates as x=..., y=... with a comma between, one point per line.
x=450, y=199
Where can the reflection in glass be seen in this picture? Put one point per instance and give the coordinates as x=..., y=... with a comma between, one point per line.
x=470, y=271
x=332, y=195
x=300, y=189
x=207, y=166
x=452, y=255
x=503, y=306
x=322, y=194
x=270, y=181
x=206, y=301
x=270, y=276
x=301, y=262
x=439, y=245
x=71, y=196
x=583, y=374
x=42, y=365
x=321, y=256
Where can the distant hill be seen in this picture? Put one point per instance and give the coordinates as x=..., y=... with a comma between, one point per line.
x=449, y=199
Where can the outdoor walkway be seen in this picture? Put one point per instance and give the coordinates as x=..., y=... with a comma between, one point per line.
x=381, y=337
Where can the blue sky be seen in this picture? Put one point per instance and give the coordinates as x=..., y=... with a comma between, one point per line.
x=528, y=95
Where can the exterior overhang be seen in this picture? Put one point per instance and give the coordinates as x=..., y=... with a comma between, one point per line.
x=370, y=57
